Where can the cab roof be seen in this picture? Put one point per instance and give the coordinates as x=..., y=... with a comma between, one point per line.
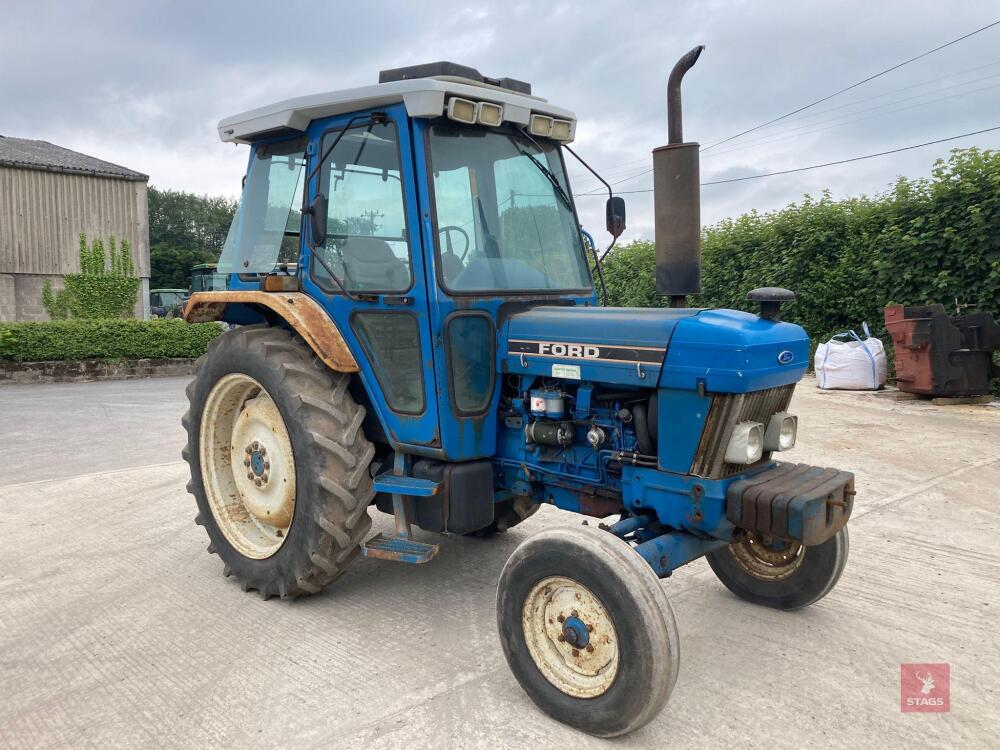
x=423, y=97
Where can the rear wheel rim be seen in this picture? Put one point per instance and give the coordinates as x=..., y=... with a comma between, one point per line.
x=247, y=466
x=766, y=558
x=570, y=637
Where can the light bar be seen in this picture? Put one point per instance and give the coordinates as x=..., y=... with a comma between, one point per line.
x=462, y=110
x=540, y=125
x=488, y=113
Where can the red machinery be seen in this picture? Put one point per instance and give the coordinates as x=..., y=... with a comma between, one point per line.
x=937, y=355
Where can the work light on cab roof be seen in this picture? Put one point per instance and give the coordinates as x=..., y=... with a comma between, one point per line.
x=416, y=331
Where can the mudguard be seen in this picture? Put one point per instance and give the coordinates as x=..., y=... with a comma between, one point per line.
x=302, y=314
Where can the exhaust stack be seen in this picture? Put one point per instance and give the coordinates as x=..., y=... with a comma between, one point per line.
x=677, y=199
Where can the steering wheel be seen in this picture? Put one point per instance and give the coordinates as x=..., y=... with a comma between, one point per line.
x=447, y=239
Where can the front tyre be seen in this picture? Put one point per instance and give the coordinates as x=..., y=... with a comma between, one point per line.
x=279, y=464
x=587, y=630
x=777, y=574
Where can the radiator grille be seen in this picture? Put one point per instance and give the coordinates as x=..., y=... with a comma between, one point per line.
x=727, y=411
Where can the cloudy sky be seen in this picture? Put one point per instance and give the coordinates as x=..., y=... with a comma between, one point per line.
x=143, y=84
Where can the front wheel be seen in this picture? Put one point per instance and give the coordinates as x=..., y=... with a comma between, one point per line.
x=778, y=574
x=587, y=630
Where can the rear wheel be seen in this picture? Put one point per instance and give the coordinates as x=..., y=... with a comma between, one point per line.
x=587, y=630
x=779, y=574
x=279, y=464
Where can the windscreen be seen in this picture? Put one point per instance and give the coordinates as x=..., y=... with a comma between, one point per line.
x=504, y=218
x=265, y=230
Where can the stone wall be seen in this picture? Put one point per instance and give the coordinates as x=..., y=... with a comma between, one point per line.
x=12, y=373
x=21, y=296
x=8, y=300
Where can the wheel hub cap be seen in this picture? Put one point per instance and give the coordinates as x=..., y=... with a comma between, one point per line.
x=570, y=637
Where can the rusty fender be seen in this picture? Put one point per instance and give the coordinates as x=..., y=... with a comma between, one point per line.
x=301, y=312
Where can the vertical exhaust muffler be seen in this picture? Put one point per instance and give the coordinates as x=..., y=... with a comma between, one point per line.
x=677, y=199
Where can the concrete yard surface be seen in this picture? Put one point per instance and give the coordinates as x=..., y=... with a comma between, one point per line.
x=117, y=629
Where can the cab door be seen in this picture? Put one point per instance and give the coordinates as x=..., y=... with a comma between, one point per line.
x=368, y=272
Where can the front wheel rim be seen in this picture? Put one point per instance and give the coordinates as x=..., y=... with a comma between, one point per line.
x=766, y=558
x=247, y=466
x=570, y=637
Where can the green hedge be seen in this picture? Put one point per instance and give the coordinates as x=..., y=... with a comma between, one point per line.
x=933, y=240
x=104, y=339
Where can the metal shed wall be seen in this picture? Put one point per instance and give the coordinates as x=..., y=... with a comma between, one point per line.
x=42, y=214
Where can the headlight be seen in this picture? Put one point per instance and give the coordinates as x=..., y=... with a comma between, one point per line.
x=540, y=125
x=462, y=110
x=490, y=114
x=746, y=446
x=781, y=432
x=562, y=130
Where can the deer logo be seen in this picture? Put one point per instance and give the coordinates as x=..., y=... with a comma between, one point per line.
x=927, y=681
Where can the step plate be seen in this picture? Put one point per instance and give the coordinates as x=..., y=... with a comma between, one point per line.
x=402, y=485
x=400, y=550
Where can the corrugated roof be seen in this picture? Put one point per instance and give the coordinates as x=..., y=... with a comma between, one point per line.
x=29, y=154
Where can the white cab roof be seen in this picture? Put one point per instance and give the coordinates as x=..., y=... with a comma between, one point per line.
x=423, y=97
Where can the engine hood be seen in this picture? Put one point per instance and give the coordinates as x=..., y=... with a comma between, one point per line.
x=729, y=351
x=604, y=344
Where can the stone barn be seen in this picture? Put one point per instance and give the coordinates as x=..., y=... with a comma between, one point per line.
x=48, y=196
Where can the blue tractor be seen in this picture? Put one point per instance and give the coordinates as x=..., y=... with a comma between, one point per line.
x=417, y=330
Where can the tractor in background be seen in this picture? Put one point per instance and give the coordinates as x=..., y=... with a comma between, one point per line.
x=419, y=334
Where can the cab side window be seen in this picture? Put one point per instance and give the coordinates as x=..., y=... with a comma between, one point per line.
x=366, y=242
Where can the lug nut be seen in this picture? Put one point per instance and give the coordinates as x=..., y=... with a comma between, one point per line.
x=249, y=450
x=250, y=475
x=590, y=648
x=267, y=465
x=561, y=618
x=264, y=477
x=257, y=482
x=590, y=628
x=561, y=638
x=575, y=652
x=246, y=462
x=574, y=613
x=255, y=445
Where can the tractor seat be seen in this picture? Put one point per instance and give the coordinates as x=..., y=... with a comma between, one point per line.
x=370, y=264
x=451, y=266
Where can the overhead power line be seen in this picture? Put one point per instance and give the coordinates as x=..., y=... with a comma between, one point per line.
x=819, y=127
x=826, y=164
x=897, y=66
x=850, y=119
x=621, y=168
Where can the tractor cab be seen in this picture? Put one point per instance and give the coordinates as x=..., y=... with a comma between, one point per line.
x=422, y=213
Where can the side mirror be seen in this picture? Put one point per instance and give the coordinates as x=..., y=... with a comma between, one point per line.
x=616, y=216
x=317, y=221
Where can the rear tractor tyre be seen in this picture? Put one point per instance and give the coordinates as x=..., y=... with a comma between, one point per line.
x=279, y=463
x=587, y=630
x=780, y=575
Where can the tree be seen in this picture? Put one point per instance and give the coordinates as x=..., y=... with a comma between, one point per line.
x=184, y=229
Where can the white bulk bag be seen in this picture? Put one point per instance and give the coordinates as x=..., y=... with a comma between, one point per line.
x=854, y=364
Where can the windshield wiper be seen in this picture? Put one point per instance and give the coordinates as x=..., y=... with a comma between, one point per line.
x=545, y=171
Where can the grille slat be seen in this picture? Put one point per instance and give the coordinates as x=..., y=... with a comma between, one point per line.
x=727, y=411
